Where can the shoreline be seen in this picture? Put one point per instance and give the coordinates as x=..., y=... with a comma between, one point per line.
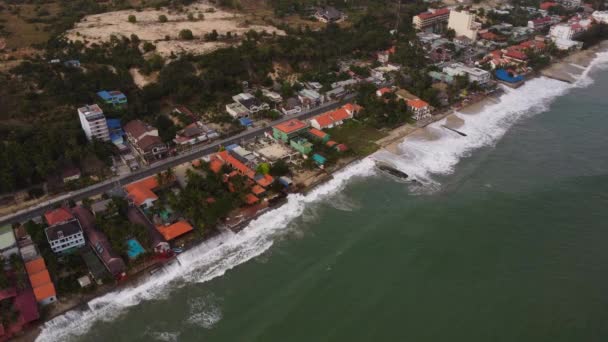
x=389, y=143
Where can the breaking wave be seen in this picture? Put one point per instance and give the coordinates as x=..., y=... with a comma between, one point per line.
x=420, y=158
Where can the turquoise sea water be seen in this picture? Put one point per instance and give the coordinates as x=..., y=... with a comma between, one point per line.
x=505, y=242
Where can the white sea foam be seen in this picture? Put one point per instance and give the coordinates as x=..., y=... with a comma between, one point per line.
x=205, y=312
x=421, y=159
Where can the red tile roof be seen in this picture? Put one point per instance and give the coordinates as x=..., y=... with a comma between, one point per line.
x=141, y=191
x=291, y=126
x=57, y=216
x=417, y=103
x=40, y=278
x=44, y=291
x=439, y=12
x=235, y=164
x=216, y=165
x=251, y=199
x=317, y=133
x=516, y=54
x=265, y=181
x=352, y=108
x=383, y=91
x=35, y=266
x=329, y=118
x=547, y=5
x=179, y=228
x=257, y=190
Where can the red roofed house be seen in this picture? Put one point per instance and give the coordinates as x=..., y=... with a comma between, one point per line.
x=515, y=54
x=546, y=5
x=335, y=118
x=420, y=109
x=141, y=192
x=58, y=215
x=318, y=135
x=288, y=129
x=145, y=140
x=100, y=244
x=380, y=92
x=43, y=288
x=251, y=199
x=174, y=230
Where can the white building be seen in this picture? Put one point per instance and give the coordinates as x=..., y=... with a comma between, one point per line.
x=600, y=16
x=570, y=3
x=562, y=35
x=463, y=23
x=432, y=20
x=237, y=110
x=65, y=236
x=93, y=123
x=474, y=74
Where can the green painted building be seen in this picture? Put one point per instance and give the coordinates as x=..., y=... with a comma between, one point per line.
x=289, y=129
x=301, y=145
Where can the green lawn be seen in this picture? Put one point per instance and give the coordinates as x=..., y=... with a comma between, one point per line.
x=360, y=138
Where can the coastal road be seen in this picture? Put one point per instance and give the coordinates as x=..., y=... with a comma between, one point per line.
x=159, y=166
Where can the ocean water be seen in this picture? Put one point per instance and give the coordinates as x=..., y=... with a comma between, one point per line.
x=504, y=241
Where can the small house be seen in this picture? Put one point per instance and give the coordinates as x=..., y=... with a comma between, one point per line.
x=114, y=98
x=288, y=129
x=44, y=289
x=65, y=236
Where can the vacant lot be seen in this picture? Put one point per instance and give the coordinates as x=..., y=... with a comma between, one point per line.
x=148, y=27
x=24, y=24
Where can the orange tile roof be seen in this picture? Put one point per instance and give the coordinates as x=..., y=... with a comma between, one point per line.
x=317, y=133
x=327, y=119
x=35, y=266
x=179, y=228
x=265, y=181
x=140, y=194
x=216, y=165
x=236, y=164
x=353, y=108
x=44, y=291
x=40, y=278
x=417, y=103
x=251, y=199
x=196, y=163
x=149, y=183
x=291, y=126
x=383, y=91
x=257, y=190
x=331, y=143
x=57, y=216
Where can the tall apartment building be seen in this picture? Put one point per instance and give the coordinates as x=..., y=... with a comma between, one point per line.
x=463, y=23
x=93, y=123
x=433, y=20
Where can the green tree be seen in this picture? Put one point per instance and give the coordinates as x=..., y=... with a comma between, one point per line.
x=186, y=34
x=162, y=18
x=263, y=168
x=132, y=19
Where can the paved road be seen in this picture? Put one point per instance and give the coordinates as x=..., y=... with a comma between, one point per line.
x=155, y=168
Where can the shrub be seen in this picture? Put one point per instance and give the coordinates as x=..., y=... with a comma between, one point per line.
x=186, y=34
x=162, y=18
x=132, y=19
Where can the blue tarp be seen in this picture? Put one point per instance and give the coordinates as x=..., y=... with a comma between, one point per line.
x=247, y=122
x=504, y=75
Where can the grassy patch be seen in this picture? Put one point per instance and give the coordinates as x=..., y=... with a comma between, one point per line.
x=20, y=23
x=360, y=138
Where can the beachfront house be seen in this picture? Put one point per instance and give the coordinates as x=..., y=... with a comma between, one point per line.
x=40, y=280
x=157, y=242
x=100, y=244
x=419, y=108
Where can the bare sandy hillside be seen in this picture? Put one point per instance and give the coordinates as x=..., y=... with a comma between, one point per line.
x=100, y=27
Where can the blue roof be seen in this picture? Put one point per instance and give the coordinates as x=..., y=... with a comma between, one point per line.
x=231, y=147
x=246, y=122
x=503, y=75
x=116, y=138
x=114, y=123
x=111, y=95
x=135, y=249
